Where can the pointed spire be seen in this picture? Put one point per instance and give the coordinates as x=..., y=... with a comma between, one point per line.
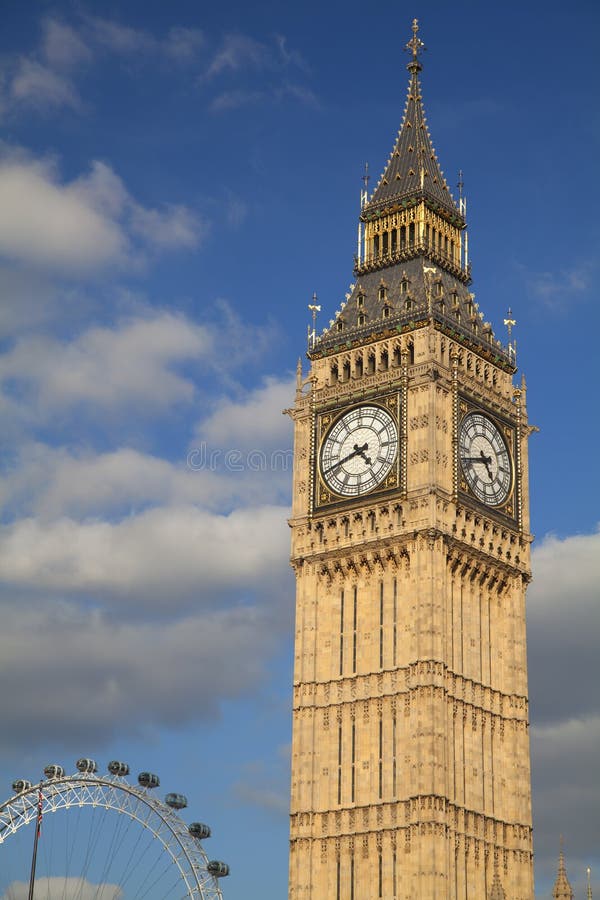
x=562, y=889
x=413, y=168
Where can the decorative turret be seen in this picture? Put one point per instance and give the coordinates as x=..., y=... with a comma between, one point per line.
x=412, y=264
x=412, y=212
x=562, y=889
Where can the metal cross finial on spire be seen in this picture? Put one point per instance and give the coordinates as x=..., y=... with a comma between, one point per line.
x=512, y=345
x=415, y=45
x=510, y=322
x=312, y=333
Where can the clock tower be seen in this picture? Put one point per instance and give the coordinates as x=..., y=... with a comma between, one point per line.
x=411, y=545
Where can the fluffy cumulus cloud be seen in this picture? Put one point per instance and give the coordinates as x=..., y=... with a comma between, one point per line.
x=114, y=558
x=48, y=483
x=46, y=78
x=133, y=362
x=62, y=46
x=37, y=85
x=256, y=420
x=83, y=225
x=162, y=558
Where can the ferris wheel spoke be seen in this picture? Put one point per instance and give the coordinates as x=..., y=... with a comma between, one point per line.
x=111, y=839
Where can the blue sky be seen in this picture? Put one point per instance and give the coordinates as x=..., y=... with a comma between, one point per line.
x=175, y=182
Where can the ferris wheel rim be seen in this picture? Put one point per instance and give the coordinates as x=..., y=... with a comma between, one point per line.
x=94, y=790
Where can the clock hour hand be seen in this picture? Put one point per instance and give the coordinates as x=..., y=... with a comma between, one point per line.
x=482, y=458
x=358, y=451
x=366, y=458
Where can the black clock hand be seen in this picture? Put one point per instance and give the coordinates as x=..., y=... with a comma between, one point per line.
x=486, y=460
x=367, y=459
x=358, y=451
x=482, y=458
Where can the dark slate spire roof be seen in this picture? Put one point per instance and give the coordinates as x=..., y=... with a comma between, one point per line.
x=413, y=168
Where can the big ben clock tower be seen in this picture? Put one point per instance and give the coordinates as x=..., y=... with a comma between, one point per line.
x=410, y=544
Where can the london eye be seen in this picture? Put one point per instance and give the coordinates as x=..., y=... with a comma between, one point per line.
x=92, y=836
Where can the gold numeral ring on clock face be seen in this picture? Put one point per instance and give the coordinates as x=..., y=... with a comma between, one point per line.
x=359, y=451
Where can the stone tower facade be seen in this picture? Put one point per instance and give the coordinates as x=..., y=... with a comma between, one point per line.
x=411, y=546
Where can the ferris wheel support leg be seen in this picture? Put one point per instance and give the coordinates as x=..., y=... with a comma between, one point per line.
x=38, y=828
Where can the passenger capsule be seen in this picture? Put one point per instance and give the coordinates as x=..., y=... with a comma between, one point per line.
x=199, y=830
x=20, y=786
x=148, y=780
x=54, y=771
x=86, y=766
x=118, y=768
x=217, y=868
x=176, y=801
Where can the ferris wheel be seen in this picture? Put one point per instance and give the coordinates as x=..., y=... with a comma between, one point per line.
x=118, y=841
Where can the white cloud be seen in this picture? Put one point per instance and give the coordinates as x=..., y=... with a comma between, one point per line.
x=45, y=223
x=184, y=44
x=119, y=38
x=109, y=368
x=64, y=889
x=39, y=86
x=238, y=51
x=274, y=94
x=181, y=44
x=62, y=46
x=161, y=557
x=174, y=226
x=53, y=483
x=554, y=287
x=83, y=225
x=256, y=421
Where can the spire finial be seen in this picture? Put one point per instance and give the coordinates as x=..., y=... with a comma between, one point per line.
x=312, y=333
x=415, y=45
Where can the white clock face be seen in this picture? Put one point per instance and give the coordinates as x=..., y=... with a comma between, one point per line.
x=485, y=459
x=359, y=451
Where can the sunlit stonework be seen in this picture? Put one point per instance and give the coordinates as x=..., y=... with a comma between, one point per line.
x=411, y=548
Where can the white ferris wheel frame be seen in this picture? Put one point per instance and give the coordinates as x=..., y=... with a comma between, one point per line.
x=113, y=793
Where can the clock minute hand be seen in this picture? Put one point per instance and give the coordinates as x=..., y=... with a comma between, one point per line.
x=358, y=451
x=482, y=458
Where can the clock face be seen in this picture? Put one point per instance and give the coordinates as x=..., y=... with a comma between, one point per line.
x=358, y=451
x=485, y=459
